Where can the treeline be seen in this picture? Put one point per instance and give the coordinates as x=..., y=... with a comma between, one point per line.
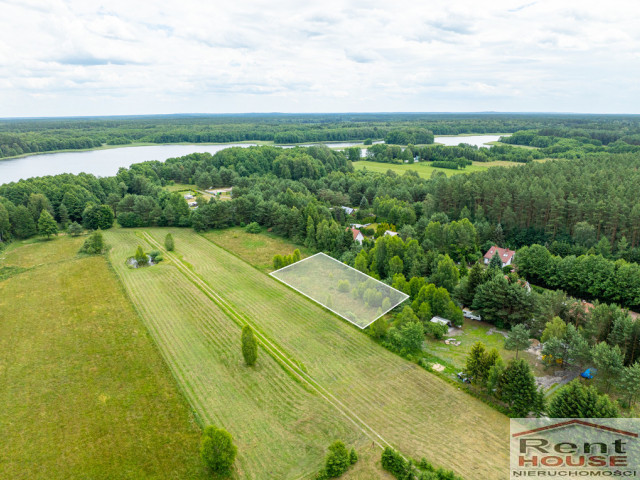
x=585, y=276
x=19, y=137
x=452, y=157
x=545, y=202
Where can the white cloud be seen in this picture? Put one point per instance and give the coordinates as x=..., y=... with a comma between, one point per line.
x=75, y=58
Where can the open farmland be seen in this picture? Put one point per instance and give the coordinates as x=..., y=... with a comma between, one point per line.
x=83, y=391
x=424, y=169
x=257, y=249
x=281, y=429
x=393, y=400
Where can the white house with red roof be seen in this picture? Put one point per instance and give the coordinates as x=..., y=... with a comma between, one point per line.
x=357, y=235
x=506, y=255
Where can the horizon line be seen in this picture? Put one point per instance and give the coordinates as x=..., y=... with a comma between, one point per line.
x=236, y=114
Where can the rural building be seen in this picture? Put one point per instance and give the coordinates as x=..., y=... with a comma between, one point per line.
x=357, y=235
x=359, y=225
x=470, y=315
x=193, y=204
x=441, y=321
x=389, y=233
x=506, y=255
x=188, y=197
x=348, y=210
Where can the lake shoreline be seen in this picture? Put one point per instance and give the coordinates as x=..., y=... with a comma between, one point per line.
x=256, y=142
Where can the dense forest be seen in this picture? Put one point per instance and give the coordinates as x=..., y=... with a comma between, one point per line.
x=25, y=136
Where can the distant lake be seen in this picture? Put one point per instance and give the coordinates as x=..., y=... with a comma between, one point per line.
x=102, y=163
x=478, y=140
x=105, y=163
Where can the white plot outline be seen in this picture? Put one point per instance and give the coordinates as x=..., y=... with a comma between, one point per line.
x=273, y=274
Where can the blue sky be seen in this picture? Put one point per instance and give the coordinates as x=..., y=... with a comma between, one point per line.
x=139, y=57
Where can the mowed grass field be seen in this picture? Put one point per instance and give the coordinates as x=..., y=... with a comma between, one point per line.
x=257, y=249
x=399, y=403
x=281, y=428
x=425, y=170
x=84, y=394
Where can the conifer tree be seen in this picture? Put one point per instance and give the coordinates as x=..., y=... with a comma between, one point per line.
x=249, y=346
x=517, y=387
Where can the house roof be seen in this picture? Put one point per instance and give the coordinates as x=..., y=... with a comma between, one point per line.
x=355, y=233
x=505, y=253
x=440, y=320
x=390, y=233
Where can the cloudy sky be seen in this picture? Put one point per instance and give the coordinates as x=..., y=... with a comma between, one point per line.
x=82, y=57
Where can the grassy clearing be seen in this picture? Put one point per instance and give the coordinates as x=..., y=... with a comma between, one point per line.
x=256, y=249
x=84, y=393
x=281, y=429
x=415, y=411
x=472, y=332
x=424, y=169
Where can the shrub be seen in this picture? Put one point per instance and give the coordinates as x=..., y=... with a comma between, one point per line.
x=168, y=242
x=253, y=227
x=393, y=462
x=140, y=256
x=154, y=254
x=338, y=460
x=344, y=286
x=353, y=456
x=94, y=244
x=75, y=229
x=217, y=450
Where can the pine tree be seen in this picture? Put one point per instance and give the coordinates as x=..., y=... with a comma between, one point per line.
x=249, y=346
x=518, y=339
x=517, y=387
x=575, y=400
x=475, y=362
x=630, y=383
x=47, y=226
x=609, y=362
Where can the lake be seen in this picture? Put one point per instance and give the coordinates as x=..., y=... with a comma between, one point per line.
x=105, y=163
x=478, y=140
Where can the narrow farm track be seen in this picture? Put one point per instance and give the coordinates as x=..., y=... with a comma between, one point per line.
x=278, y=355
x=415, y=411
x=281, y=428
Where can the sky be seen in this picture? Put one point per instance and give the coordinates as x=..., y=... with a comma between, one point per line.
x=82, y=57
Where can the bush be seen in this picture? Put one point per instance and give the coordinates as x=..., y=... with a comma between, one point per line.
x=344, y=286
x=353, y=456
x=217, y=450
x=154, y=254
x=168, y=242
x=253, y=227
x=393, y=462
x=94, y=245
x=140, y=256
x=75, y=229
x=338, y=460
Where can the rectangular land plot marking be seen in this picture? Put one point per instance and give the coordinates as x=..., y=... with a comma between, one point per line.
x=347, y=292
